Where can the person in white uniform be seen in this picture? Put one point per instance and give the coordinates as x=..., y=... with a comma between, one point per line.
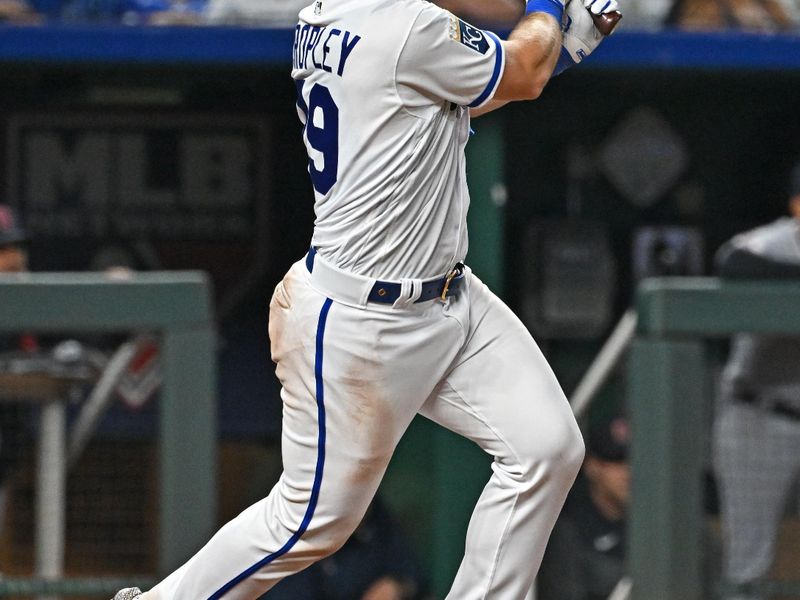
x=381, y=320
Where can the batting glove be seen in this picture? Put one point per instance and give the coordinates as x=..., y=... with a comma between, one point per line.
x=580, y=36
x=601, y=7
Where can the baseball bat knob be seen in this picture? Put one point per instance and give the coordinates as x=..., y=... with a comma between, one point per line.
x=606, y=23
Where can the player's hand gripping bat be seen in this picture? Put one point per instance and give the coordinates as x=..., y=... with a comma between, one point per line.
x=583, y=30
x=606, y=23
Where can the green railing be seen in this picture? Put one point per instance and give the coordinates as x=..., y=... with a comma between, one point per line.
x=178, y=305
x=669, y=397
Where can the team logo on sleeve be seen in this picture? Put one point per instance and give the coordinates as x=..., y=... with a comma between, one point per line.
x=472, y=37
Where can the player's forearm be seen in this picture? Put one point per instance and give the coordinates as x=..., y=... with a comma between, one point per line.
x=531, y=52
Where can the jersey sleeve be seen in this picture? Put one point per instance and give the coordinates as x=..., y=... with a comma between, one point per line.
x=448, y=59
x=768, y=252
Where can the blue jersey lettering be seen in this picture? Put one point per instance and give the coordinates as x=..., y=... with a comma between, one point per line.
x=326, y=49
x=347, y=48
x=306, y=40
x=312, y=40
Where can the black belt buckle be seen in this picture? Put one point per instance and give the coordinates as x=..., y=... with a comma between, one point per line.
x=457, y=271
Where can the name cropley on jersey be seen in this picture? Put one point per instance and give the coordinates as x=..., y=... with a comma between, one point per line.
x=384, y=88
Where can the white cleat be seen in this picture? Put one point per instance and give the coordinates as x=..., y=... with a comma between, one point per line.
x=128, y=594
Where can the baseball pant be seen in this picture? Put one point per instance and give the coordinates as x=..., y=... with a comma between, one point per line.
x=757, y=458
x=354, y=374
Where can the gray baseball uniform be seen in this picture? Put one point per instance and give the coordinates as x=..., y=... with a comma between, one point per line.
x=368, y=330
x=757, y=429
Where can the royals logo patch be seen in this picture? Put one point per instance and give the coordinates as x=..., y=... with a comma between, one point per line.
x=472, y=37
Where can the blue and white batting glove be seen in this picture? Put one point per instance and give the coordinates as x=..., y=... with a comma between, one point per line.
x=580, y=36
x=601, y=7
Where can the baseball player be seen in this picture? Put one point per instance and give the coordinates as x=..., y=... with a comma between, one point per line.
x=756, y=434
x=382, y=320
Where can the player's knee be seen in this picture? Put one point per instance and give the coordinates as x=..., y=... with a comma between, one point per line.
x=332, y=535
x=566, y=457
x=574, y=454
x=557, y=455
x=329, y=545
x=573, y=450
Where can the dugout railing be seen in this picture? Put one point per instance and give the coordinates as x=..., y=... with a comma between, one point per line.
x=176, y=305
x=669, y=396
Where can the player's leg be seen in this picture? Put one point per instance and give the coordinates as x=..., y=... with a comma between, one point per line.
x=347, y=399
x=756, y=459
x=502, y=394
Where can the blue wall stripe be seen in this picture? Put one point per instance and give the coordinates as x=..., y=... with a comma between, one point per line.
x=312, y=503
x=628, y=48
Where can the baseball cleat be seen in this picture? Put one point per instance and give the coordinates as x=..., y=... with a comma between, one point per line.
x=128, y=594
